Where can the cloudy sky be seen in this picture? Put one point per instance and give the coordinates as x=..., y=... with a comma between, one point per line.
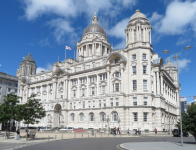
x=44, y=27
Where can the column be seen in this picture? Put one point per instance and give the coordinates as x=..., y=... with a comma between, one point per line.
x=97, y=84
x=64, y=90
x=78, y=91
x=126, y=38
x=144, y=35
x=122, y=80
x=69, y=89
x=47, y=92
x=164, y=90
x=154, y=83
x=161, y=84
x=54, y=90
x=158, y=84
x=93, y=48
x=108, y=82
x=41, y=89
x=82, y=49
x=130, y=36
x=87, y=89
x=87, y=50
x=66, y=94
x=27, y=93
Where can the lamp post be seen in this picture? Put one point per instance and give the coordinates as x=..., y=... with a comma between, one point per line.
x=176, y=57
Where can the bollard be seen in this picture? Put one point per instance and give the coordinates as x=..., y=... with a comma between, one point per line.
x=55, y=137
x=62, y=136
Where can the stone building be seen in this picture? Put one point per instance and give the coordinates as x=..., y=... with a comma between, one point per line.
x=8, y=84
x=131, y=87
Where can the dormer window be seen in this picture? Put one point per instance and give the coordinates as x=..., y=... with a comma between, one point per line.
x=117, y=74
x=75, y=69
x=84, y=67
x=116, y=61
x=103, y=62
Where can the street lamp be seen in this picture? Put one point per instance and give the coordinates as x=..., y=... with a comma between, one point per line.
x=176, y=57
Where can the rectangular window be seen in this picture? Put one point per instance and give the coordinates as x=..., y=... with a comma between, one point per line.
x=93, y=104
x=9, y=90
x=116, y=61
x=62, y=94
x=134, y=101
x=117, y=74
x=74, y=93
x=79, y=104
x=144, y=84
x=104, y=76
x=135, y=116
x=100, y=77
x=144, y=56
x=89, y=104
x=84, y=104
x=117, y=87
x=83, y=92
x=134, y=69
x=1, y=82
x=117, y=102
x=144, y=69
x=93, y=90
x=44, y=97
x=0, y=95
x=145, y=117
x=99, y=103
x=103, y=89
x=74, y=105
x=134, y=84
x=134, y=57
x=70, y=105
x=145, y=100
x=104, y=103
x=16, y=85
x=111, y=100
x=0, y=88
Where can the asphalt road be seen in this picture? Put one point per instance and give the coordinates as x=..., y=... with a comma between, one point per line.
x=100, y=143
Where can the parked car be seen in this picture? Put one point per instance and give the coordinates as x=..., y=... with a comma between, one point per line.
x=70, y=128
x=78, y=130
x=45, y=128
x=176, y=132
x=56, y=128
x=64, y=129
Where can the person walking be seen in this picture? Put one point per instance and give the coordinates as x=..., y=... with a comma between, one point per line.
x=38, y=129
x=5, y=135
x=114, y=130
x=128, y=131
x=18, y=131
x=155, y=131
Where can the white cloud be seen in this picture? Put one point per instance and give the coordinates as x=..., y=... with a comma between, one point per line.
x=183, y=40
x=48, y=67
x=44, y=42
x=182, y=63
x=155, y=17
x=118, y=31
x=179, y=17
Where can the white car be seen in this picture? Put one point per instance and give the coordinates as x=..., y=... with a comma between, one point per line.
x=70, y=128
x=67, y=129
x=63, y=129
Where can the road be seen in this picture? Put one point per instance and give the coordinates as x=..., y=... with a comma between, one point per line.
x=101, y=143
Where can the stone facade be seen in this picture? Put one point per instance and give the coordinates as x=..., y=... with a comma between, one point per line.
x=8, y=84
x=131, y=87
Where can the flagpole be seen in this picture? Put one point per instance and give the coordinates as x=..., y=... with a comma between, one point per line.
x=65, y=52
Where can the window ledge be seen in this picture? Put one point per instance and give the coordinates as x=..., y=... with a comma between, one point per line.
x=134, y=90
x=144, y=74
x=145, y=90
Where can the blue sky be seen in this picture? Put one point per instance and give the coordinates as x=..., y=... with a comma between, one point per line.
x=44, y=27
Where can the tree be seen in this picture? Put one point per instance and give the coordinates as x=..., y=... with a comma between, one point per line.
x=189, y=120
x=30, y=111
x=8, y=109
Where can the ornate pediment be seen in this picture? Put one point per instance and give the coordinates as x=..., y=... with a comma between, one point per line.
x=58, y=72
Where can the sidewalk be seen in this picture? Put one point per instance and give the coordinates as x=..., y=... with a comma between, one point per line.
x=157, y=146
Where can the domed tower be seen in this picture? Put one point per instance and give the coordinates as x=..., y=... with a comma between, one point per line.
x=171, y=70
x=94, y=42
x=27, y=66
x=138, y=31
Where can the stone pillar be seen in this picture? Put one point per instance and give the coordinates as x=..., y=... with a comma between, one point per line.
x=54, y=90
x=108, y=81
x=93, y=48
x=154, y=84
x=66, y=87
x=69, y=89
x=78, y=95
x=158, y=84
x=161, y=84
x=130, y=36
x=82, y=49
x=47, y=92
x=164, y=90
x=87, y=89
x=64, y=90
x=41, y=95
x=122, y=80
x=97, y=84
x=126, y=38
x=87, y=50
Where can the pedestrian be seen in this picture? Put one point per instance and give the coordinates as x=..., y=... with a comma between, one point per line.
x=117, y=130
x=114, y=130
x=28, y=133
x=38, y=129
x=18, y=131
x=135, y=132
x=5, y=133
x=155, y=131
x=128, y=131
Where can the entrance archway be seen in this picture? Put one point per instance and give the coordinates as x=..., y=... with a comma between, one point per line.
x=57, y=114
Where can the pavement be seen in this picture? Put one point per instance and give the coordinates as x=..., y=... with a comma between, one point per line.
x=157, y=146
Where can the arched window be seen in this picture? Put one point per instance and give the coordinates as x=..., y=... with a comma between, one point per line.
x=93, y=65
x=72, y=117
x=81, y=117
x=114, y=116
x=91, y=117
x=84, y=67
x=103, y=62
x=102, y=116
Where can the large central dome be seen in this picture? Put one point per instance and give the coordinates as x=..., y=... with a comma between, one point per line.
x=94, y=27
